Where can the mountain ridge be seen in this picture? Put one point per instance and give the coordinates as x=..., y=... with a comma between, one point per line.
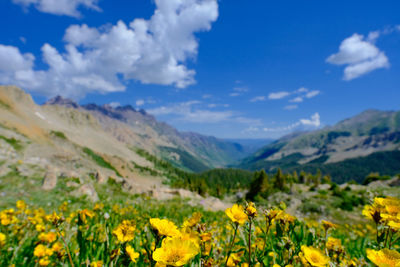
x=204, y=151
x=359, y=137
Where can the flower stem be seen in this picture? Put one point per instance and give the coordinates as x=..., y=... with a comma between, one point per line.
x=250, y=221
x=66, y=248
x=231, y=245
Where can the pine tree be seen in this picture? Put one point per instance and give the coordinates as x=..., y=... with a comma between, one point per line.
x=259, y=186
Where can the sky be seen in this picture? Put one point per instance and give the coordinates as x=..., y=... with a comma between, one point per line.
x=225, y=68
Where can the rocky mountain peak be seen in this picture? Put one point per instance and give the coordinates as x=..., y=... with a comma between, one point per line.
x=61, y=101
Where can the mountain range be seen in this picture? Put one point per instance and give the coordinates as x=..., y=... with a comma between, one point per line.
x=100, y=127
x=86, y=138
x=350, y=150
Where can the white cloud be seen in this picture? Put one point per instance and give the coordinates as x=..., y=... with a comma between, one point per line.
x=314, y=121
x=302, y=124
x=153, y=51
x=312, y=94
x=360, y=55
x=114, y=104
x=237, y=91
x=372, y=36
x=187, y=113
x=140, y=102
x=12, y=60
x=212, y=105
x=206, y=116
x=301, y=90
x=278, y=95
x=60, y=7
x=297, y=99
x=257, y=99
x=234, y=94
x=206, y=96
x=191, y=112
x=290, y=107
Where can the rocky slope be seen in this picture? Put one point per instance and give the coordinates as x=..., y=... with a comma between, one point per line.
x=66, y=146
x=136, y=128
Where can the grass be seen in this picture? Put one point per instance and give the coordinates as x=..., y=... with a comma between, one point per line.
x=5, y=105
x=58, y=134
x=16, y=144
x=95, y=240
x=100, y=160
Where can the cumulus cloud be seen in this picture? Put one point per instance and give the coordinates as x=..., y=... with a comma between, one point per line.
x=101, y=60
x=257, y=99
x=278, y=95
x=360, y=55
x=60, y=7
x=302, y=124
x=314, y=121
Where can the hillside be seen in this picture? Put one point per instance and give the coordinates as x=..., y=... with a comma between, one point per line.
x=187, y=150
x=368, y=142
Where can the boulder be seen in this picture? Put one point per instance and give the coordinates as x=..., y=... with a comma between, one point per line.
x=50, y=180
x=100, y=178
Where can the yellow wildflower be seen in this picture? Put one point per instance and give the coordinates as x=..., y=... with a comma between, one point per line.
x=163, y=227
x=272, y=214
x=175, y=252
x=42, y=251
x=83, y=214
x=188, y=234
x=195, y=219
x=49, y=237
x=21, y=205
x=132, y=253
x=125, y=231
x=237, y=214
x=234, y=259
x=327, y=224
x=96, y=264
x=40, y=228
x=205, y=237
x=44, y=261
x=251, y=210
x=57, y=247
x=314, y=256
x=98, y=206
x=55, y=218
x=384, y=257
x=334, y=244
x=2, y=239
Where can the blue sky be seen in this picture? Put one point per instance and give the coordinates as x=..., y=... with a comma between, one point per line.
x=220, y=68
